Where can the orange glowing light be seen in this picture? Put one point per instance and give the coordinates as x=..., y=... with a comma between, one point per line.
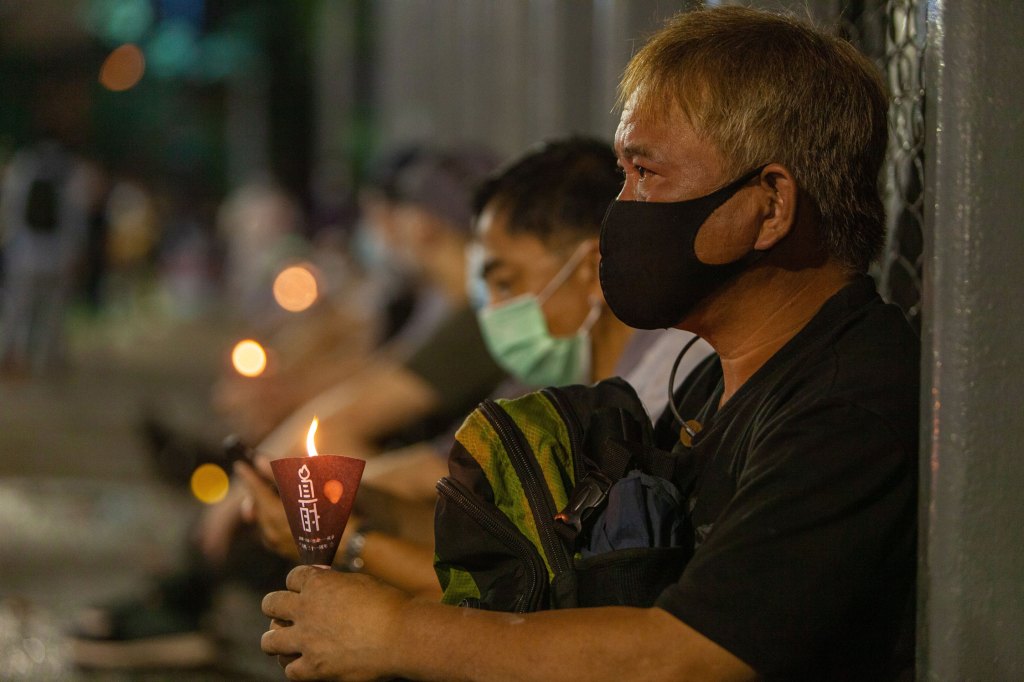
x=209, y=483
x=123, y=68
x=295, y=288
x=310, y=444
x=249, y=358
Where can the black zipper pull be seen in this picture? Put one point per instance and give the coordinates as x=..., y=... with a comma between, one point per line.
x=589, y=494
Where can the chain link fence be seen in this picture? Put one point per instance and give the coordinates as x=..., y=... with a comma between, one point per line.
x=892, y=33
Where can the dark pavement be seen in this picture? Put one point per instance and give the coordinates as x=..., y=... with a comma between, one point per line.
x=83, y=517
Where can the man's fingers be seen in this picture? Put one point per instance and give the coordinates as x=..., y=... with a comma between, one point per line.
x=277, y=606
x=278, y=642
x=248, y=509
x=297, y=668
x=300, y=575
x=262, y=465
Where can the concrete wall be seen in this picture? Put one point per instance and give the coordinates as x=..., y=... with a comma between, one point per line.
x=972, y=574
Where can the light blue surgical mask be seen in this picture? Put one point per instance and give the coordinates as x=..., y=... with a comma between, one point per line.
x=476, y=285
x=369, y=249
x=517, y=335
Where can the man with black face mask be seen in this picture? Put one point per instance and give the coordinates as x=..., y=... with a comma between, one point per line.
x=749, y=215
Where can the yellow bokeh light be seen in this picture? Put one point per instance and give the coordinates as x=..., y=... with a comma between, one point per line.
x=249, y=358
x=123, y=68
x=209, y=483
x=295, y=288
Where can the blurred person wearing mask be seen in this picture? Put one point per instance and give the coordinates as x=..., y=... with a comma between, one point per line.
x=537, y=222
x=750, y=214
x=408, y=309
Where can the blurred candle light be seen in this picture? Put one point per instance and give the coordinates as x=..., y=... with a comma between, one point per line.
x=295, y=288
x=123, y=68
x=209, y=483
x=248, y=358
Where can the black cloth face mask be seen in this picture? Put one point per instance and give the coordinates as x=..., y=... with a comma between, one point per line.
x=650, y=274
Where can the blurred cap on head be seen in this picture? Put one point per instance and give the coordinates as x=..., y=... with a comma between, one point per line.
x=384, y=172
x=443, y=183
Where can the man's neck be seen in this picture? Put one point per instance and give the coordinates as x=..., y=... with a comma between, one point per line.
x=608, y=340
x=748, y=323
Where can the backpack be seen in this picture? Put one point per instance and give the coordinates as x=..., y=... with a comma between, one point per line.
x=559, y=499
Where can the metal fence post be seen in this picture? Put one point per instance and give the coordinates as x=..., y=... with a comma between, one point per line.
x=971, y=621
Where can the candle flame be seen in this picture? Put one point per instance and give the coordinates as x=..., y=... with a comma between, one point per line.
x=310, y=444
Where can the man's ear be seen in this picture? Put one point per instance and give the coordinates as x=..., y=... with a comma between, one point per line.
x=780, y=205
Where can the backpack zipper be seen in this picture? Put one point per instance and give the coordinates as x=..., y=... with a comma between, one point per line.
x=497, y=525
x=572, y=423
x=541, y=503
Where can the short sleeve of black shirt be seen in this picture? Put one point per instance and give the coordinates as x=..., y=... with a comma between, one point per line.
x=805, y=513
x=455, y=362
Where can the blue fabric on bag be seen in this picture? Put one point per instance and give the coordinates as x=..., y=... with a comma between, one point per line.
x=641, y=511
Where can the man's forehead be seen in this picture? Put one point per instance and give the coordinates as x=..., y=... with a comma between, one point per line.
x=645, y=131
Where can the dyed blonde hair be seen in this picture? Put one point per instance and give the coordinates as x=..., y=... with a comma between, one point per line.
x=766, y=88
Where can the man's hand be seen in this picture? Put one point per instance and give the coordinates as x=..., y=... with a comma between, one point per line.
x=333, y=626
x=263, y=506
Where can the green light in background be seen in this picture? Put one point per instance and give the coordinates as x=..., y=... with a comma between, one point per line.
x=119, y=21
x=174, y=49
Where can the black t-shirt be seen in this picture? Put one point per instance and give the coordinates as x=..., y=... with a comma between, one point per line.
x=805, y=510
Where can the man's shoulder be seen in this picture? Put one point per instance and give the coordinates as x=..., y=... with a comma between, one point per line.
x=867, y=363
x=877, y=365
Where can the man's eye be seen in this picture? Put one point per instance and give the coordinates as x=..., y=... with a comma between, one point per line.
x=500, y=288
x=641, y=171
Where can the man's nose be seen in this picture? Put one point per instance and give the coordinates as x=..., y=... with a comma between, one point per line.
x=628, y=191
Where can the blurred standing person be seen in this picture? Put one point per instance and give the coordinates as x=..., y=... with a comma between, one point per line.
x=45, y=206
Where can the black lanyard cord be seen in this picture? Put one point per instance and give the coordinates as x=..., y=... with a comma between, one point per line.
x=671, y=389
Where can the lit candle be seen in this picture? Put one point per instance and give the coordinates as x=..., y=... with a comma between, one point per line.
x=310, y=443
x=318, y=492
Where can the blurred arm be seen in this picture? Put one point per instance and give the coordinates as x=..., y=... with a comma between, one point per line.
x=356, y=413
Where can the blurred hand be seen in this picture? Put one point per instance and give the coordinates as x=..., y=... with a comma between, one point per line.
x=333, y=626
x=263, y=507
x=217, y=526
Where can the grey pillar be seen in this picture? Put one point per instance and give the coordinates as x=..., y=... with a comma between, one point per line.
x=972, y=573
